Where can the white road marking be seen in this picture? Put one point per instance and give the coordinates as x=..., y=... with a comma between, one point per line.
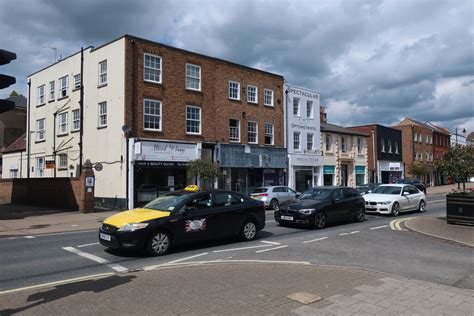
x=378, y=227
x=355, y=232
x=270, y=242
x=186, y=264
x=88, y=277
x=313, y=240
x=270, y=221
x=68, y=233
x=269, y=249
x=187, y=258
x=241, y=248
x=74, y=225
x=94, y=243
x=97, y=259
x=29, y=237
x=343, y=234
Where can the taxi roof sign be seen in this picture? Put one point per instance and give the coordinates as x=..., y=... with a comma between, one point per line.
x=192, y=188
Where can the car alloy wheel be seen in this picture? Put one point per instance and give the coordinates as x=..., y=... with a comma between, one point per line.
x=422, y=206
x=274, y=204
x=320, y=220
x=395, y=209
x=159, y=244
x=360, y=214
x=249, y=231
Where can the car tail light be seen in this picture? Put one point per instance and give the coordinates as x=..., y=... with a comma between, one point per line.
x=263, y=194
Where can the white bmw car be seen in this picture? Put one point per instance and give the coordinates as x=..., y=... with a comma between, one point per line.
x=395, y=198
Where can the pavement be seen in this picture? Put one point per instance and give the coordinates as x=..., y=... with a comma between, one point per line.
x=242, y=288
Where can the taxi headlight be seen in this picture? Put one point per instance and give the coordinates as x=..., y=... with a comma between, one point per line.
x=132, y=227
x=385, y=202
x=306, y=211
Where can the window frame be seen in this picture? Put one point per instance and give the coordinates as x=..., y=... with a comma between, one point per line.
x=308, y=137
x=229, y=90
x=328, y=144
x=248, y=94
x=102, y=78
x=298, y=107
x=78, y=120
x=39, y=131
x=187, y=76
x=297, y=140
x=61, y=165
x=63, y=124
x=52, y=90
x=160, y=69
x=343, y=144
x=64, y=88
x=230, y=131
x=160, y=129
x=77, y=80
x=272, y=95
x=102, y=114
x=41, y=100
x=200, y=119
x=40, y=171
x=256, y=132
x=309, y=102
x=272, y=133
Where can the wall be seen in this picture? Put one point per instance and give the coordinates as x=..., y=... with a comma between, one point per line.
x=12, y=126
x=14, y=160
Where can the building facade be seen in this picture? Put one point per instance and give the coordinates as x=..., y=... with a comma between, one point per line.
x=140, y=111
x=303, y=138
x=385, y=153
x=441, y=145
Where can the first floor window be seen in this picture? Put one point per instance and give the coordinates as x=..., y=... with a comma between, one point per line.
x=296, y=141
x=296, y=106
x=359, y=145
x=234, y=130
x=62, y=161
x=41, y=98
x=252, y=132
x=103, y=72
x=62, y=123
x=193, y=120
x=102, y=114
x=51, y=90
x=268, y=134
x=343, y=144
x=268, y=97
x=152, y=68
x=252, y=93
x=234, y=90
x=309, y=109
x=328, y=143
x=396, y=147
x=309, y=141
x=193, y=77
x=40, y=130
x=77, y=81
x=76, y=120
x=390, y=146
x=152, y=115
x=40, y=166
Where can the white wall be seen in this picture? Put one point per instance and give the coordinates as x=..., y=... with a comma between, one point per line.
x=12, y=161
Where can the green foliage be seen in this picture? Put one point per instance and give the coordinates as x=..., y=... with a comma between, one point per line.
x=458, y=163
x=418, y=168
x=13, y=94
x=204, y=168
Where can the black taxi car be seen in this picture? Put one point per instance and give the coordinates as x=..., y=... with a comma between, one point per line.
x=184, y=216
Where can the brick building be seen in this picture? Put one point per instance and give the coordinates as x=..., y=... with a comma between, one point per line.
x=385, y=153
x=141, y=110
x=441, y=145
x=417, y=143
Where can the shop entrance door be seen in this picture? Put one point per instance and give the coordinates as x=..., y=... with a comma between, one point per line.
x=303, y=180
x=344, y=175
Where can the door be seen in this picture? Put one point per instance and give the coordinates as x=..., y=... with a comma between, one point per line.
x=338, y=209
x=414, y=197
x=344, y=175
x=229, y=212
x=197, y=220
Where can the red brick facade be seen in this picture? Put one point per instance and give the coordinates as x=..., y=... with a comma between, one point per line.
x=213, y=99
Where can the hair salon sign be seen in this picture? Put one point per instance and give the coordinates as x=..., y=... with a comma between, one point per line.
x=164, y=151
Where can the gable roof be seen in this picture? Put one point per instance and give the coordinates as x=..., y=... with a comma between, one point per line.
x=441, y=130
x=413, y=121
x=326, y=127
x=18, y=145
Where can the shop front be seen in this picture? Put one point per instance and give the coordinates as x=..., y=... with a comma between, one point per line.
x=304, y=171
x=390, y=172
x=360, y=175
x=160, y=167
x=246, y=167
x=329, y=175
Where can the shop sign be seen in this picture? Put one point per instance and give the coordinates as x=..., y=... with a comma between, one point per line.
x=390, y=166
x=359, y=169
x=164, y=151
x=306, y=160
x=50, y=164
x=329, y=169
x=394, y=166
x=160, y=164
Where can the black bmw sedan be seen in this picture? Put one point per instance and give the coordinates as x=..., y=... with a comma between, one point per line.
x=321, y=205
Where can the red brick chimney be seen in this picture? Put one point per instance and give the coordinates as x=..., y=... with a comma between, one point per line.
x=323, y=118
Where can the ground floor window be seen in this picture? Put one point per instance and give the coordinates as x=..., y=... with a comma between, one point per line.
x=303, y=179
x=328, y=179
x=360, y=179
x=391, y=176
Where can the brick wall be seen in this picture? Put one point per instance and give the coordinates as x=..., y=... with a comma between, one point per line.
x=216, y=108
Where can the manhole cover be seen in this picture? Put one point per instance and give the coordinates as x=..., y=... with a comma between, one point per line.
x=304, y=298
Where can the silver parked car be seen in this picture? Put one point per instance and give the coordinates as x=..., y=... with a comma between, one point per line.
x=274, y=195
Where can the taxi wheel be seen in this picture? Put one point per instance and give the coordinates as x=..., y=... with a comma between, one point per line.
x=159, y=243
x=248, y=231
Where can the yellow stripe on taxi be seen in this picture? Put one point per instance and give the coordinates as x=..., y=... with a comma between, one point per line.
x=134, y=216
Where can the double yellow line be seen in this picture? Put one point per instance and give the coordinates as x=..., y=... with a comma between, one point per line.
x=396, y=224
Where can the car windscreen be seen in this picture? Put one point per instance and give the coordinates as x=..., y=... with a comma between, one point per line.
x=316, y=194
x=387, y=190
x=166, y=202
x=260, y=190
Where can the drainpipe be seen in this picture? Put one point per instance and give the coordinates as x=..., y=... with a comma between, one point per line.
x=373, y=157
x=54, y=141
x=81, y=115
x=28, y=132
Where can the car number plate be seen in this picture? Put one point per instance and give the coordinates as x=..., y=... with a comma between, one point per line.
x=287, y=218
x=105, y=237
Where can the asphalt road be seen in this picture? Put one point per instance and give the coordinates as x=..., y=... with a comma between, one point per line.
x=380, y=243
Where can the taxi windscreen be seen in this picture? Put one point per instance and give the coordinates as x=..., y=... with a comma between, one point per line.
x=166, y=202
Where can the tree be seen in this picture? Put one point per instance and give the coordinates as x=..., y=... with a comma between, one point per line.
x=458, y=163
x=205, y=169
x=419, y=169
x=13, y=94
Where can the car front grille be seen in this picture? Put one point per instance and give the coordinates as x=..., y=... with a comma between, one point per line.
x=107, y=228
x=370, y=203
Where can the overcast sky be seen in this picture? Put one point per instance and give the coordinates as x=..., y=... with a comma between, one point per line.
x=373, y=61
